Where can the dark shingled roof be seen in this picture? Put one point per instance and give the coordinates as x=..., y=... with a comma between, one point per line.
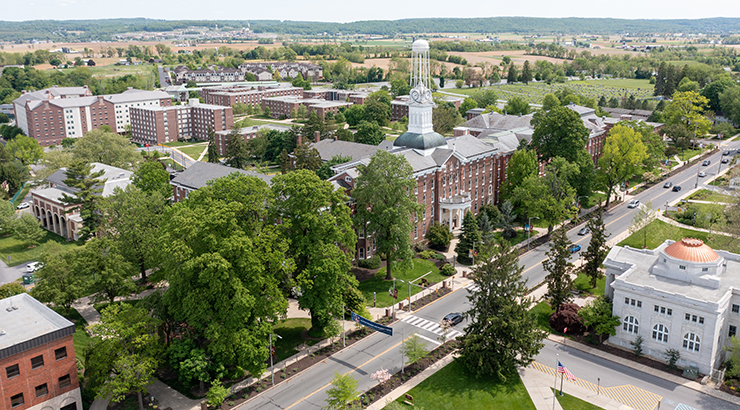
x=198, y=174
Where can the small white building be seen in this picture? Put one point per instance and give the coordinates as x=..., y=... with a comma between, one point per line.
x=682, y=295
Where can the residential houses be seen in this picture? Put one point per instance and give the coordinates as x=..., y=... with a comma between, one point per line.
x=262, y=71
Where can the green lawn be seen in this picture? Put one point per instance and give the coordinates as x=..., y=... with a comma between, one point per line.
x=453, y=388
x=688, y=154
x=80, y=338
x=22, y=195
x=542, y=312
x=711, y=196
x=178, y=143
x=250, y=121
x=195, y=151
x=171, y=164
x=619, y=83
x=659, y=231
x=594, y=199
x=583, y=283
x=521, y=236
x=379, y=285
x=291, y=331
x=568, y=402
x=19, y=252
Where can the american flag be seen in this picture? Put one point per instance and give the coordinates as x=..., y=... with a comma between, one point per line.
x=568, y=374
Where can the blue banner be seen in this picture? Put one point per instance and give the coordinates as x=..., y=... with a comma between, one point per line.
x=372, y=325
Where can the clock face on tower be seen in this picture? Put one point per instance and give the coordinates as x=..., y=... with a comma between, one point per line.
x=421, y=95
x=416, y=95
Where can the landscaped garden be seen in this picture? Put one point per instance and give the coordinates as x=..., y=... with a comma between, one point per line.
x=711, y=196
x=14, y=252
x=380, y=286
x=294, y=332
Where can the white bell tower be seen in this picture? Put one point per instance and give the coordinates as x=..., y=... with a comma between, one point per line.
x=421, y=103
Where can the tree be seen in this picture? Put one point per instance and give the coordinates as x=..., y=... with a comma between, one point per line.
x=485, y=227
x=597, y=248
x=307, y=157
x=285, y=162
x=713, y=90
x=551, y=197
x=526, y=72
x=79, y=176
x=643, y=217
x=445, y=117
x=679, y=134
x=622, y=157
x=517, y=106
x=106, y=147
x=550, y=101
x=687, y=108
x=522, y=164
x=733, y=370
x=58, y=280
x=7, y=217
x=11, y=289
x=384, y=194
x=414, y=349
x=467, y=104
x=213, y=156
x=484, y=97
x=559, y=269
x=26, y=227
x=730, y=103
x=133, y=221
x=150, y=177
x=654, y=145
x=315, y=220
x=217, y=394
x=378, y=107
x=501, y=334
x=597, y=315
x=26, y=149
x=237, y=152
x=111, y=274
x=369, y=133
x=129, y=335
x=439, y=236
x=559, y=133
x=469, y=237
x=506, y=220
x=325, y=171
x=343, y=392
x=225, y=263
x=512, y=75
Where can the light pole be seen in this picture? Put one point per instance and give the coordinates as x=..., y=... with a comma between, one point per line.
x=272, y=368
x=530, y=229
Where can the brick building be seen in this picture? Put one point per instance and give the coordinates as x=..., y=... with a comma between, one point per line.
x=213, y=74
x=55, y=113
x=158, y=125
x=37, y=356
x=286, y=106
x=286, y=70
x=198, y=175
x=248, y=133
x=249, y=95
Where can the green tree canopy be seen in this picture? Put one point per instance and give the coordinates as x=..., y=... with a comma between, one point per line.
x=687, y=108
x=622, y=157
x=25, y=149
x=558, y=268
x=517, y=106
x=59, y=282
x=106, y=147
x=151, y=176
x=79, y=175
x=369, y=133
x=237, y=152
x=522, y=164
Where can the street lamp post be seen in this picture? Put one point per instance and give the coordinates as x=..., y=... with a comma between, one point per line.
x=530, y=229
x=272, y=368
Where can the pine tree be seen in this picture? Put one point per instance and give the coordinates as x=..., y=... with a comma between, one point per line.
x=501, y=334
x=512, y=76
x=485, y=227
x=237, y=153
x=526, y=73
x=597, y=248
x=212, y=148
x=559, y=267
x=79, y=176
x=469, y=237
x=284, y=162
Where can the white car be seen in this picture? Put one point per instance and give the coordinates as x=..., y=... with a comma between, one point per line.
x=633, y=204
x=23, y=205
x=702, y=174
x=33, y=267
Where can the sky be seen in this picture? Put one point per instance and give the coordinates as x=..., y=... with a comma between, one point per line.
x=354, y=10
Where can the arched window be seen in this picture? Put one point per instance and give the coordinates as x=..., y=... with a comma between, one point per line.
x=630, y=325
x=691, y=342
x=660, y=333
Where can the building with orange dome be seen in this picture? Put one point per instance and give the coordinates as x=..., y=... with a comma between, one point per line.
x=681, y=295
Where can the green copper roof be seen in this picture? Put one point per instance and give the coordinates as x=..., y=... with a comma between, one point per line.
x=420, y=141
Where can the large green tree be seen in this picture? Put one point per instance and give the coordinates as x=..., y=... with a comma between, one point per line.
x=551, y=197
x=307, y=157
x=522, y=164
x=151, y=176
x=517, y=106
x=369, y=133
x=597, y=248
x=315, y=220
x=558, y=268
x=469, y=238
x=7, y=217
x=378, y=107
x=325, y=171
x=445, y=117
x=713, y=90
x=598, y=316
x=59, y=281
x=88, y=187
x=25, y=149
x=687, y=108
x=107, y=270
x=106, y=147
x=622, y=157
x=213, y=156
x=386, y=204
x=501, y=335
x=237, y=152
x=730, y=103
x=27, y=229
x=225, y=264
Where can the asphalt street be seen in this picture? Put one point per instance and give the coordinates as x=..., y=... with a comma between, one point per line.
x=12, y=273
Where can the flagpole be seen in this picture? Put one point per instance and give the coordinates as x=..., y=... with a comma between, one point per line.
x=555, y=387
x=561, y=383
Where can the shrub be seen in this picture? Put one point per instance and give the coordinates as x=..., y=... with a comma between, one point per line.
x=217, y=394
x=673, y=355
x=448, y=270
x=427, y=254
x=637, y=346
x=370, y=263
x=439, y=236
x=567, y=318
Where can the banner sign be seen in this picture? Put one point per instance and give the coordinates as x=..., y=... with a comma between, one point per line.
x=372, y=325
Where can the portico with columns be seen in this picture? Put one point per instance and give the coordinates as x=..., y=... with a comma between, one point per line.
x=454, y=209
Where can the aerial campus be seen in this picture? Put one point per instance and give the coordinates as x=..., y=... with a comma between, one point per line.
x=427, y=213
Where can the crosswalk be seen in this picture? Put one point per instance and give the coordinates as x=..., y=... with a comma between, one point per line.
x=682, y=406
x=429, y=326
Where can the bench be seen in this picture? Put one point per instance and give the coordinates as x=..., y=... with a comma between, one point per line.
x=409, y=399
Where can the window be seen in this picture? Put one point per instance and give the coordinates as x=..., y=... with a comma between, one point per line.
x=733, y=331
x=37, y=362
x=656, y=309
x=701, y=320
x=627, y=301
x=735, y=308
x=691, y=342
x=632, y=302
x=639, y=304
x=660, y=333
x=16, y=400
x=60, y=353
x=682, y=267
x=12, y=371
x=65, y=381
x=630, y=325
x=705, y=269
x=42, y=390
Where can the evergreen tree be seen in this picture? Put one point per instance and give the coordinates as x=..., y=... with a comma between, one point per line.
x=526, y=73
x=602, y=101
x=212, y=148
x=597, y=248
x=469, y=237
x=284, y=162
x=80, y=177
x=501, y=334
x=307, y=157
x=512, y=76
x=559, y=268
x=441, y=82
x=237, y=153
x=485, y=227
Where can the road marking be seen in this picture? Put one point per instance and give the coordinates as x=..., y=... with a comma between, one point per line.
x=428, y=339
x=682, y=406
x=629, y=395
x=429, y=326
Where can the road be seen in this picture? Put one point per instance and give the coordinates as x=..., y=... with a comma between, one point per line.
x=163, y=77
x=307, y=390
x=12, y=273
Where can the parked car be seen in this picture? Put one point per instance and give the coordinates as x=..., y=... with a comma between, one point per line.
x=702, y=174
x=725, y=160
x=23, y=205
x=706, y=162
x=634, y=203
x=453, y=318
x=33, y=267
x=677, y=188
x=574, y=248
x=726, y=153
x=584, y=231
x=668, y=185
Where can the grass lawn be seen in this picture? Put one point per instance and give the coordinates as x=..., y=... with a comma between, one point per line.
x=379, y=285
x=521, y=236
x=195, y=151
x=172, y=164
x=452, y=387
x=568, y=402
x=688, y=154
x=620, y=83
x=659, y=231
x=291, y=331
x=542, y=312
x=22, y=195
x=19, y=253
x=583, y=283
x=707, y=195
x=594, y=199
x=178, y=143
x=249, y=122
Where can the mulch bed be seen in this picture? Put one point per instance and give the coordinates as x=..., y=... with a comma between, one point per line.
x=363, y=274
x=398, y=379
x=733, y=388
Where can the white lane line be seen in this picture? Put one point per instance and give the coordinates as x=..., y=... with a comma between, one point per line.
x=426, y=338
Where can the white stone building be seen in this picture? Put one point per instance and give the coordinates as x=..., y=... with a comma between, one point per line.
x=682, y=295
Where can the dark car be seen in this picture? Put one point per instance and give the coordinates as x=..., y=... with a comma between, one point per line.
x=574, y=248
x=677, y=188
x=706, y=162
x=725, y=160
x=668, y=185
x=584, y=231
x=453, y=318
x=726, y=153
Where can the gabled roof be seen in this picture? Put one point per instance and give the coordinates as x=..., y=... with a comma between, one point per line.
x=114, y=177
x=328, y=148
x=198, y=174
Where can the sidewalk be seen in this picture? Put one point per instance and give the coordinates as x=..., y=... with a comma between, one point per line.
x=539, y=386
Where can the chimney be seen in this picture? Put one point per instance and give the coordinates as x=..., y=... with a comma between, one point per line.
x=316, y=136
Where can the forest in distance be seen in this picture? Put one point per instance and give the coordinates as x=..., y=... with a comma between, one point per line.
x=104, y=29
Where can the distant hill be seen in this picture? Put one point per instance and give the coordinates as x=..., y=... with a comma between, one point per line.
x=103, y=29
